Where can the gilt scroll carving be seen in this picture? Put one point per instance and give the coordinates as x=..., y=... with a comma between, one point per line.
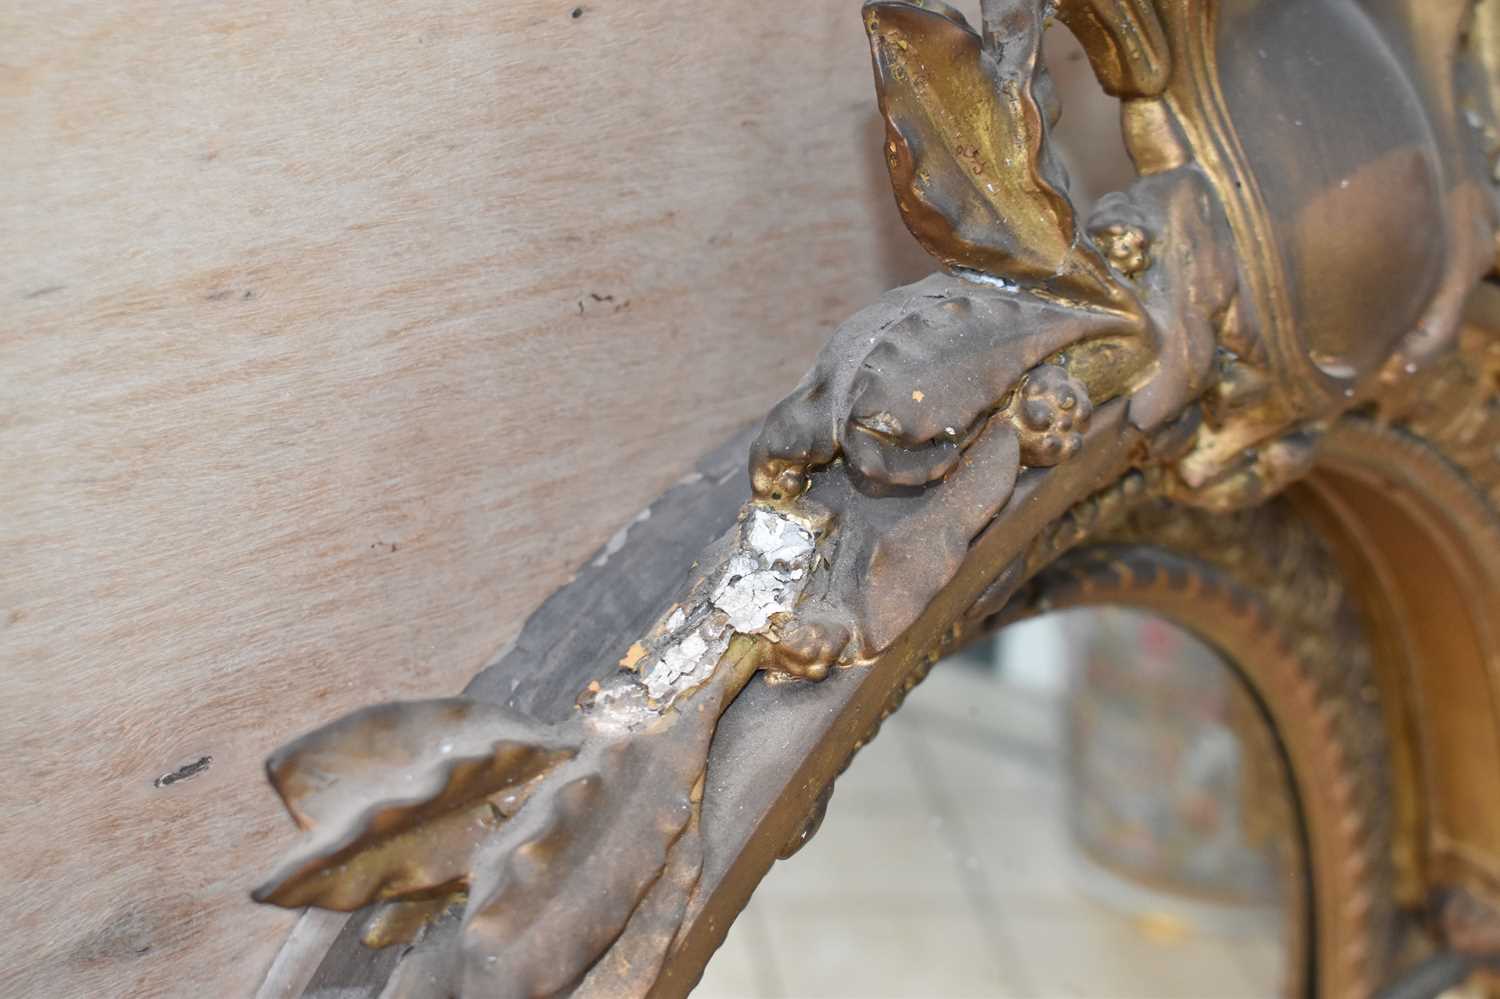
x=952, y=440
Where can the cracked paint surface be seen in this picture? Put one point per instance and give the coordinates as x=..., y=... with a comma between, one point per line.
x=761, y=579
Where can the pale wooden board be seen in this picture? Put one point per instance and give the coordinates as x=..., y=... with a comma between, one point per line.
x=298, y=407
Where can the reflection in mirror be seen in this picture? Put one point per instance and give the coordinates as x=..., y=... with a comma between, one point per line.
x=1089, y=805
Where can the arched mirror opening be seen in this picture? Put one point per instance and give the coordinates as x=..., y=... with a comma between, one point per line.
x=1089, y=804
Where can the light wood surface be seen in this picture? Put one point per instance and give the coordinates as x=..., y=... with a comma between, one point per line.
x=334, y=337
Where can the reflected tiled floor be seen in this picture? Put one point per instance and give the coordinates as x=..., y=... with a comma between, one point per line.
x=943, y=869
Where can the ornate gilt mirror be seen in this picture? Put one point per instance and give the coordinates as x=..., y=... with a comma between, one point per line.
x=1253, y=394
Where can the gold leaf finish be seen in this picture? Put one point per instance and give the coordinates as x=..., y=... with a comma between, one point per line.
x=966, y=148
x=1125, y=42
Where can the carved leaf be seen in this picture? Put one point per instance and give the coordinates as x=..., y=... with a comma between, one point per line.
x=404, y=921
x=396, y=796
x=332, y=773
x=634, y=961
x=966, y=148
x=596, y=850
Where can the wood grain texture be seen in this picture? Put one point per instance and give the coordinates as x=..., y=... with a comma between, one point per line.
x=334, y=337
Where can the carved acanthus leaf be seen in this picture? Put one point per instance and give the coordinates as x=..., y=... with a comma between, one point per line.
x=966, y=147
x=601, y=862
x=395, y=796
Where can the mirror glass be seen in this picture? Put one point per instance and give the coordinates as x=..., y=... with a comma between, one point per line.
x=1090, y=804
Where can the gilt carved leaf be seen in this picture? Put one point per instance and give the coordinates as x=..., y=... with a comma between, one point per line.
x=396, y=796
x=964, y=144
